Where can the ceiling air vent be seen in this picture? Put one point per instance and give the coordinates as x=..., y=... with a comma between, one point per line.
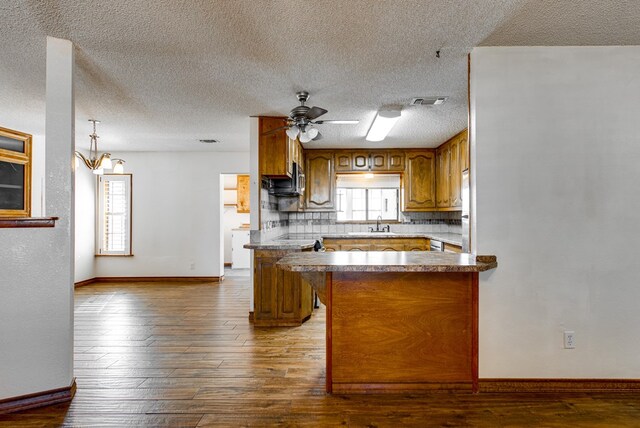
x=427, y=101
x=209, y=141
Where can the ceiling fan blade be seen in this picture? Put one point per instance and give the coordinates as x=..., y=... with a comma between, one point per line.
x=338, y=122
x=275, y=130
x=315, y=112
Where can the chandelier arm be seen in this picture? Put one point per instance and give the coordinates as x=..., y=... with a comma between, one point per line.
x=102, y=156
x=86, y=161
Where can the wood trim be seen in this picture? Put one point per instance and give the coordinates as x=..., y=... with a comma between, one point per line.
x=18, y=222
x=227, y=264
x=474, y=331
x=395, y=388
x=127, y=279
x=251, y=316
x=558, y=385
x=38, y=399
x=329, y=346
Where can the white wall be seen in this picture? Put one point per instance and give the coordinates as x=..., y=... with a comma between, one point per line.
x=176, y=214
x=556, y=149
x=36, y=265
x=85, y=260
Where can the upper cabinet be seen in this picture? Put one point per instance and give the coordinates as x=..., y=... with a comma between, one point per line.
x=243, y=194
x=369, y=160
x=419, y=181
x=452, y=158
x=321, y=181
x=276, y=151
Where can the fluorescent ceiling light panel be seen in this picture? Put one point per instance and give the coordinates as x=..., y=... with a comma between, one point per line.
x=382, y=124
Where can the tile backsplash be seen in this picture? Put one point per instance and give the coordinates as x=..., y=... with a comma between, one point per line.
x=326, y=222
x=276, y=223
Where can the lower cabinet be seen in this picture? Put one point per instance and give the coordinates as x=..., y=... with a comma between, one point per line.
x=281, y=298
x=376, y=244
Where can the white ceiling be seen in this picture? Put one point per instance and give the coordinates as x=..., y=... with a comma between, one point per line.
x=162, y=74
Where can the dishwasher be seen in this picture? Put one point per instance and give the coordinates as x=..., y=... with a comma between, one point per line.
x=436, y=245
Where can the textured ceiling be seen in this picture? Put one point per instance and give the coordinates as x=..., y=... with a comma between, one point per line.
x=162, y=74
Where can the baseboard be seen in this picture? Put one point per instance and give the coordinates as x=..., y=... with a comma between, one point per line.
x=227, y=264
x=39, y=399
x=251, y=316
x=125, y=279
x=558, y=385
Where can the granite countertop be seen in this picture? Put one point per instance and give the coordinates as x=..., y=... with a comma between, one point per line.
x=447, y=237
x=386, y=261
x=282, y=244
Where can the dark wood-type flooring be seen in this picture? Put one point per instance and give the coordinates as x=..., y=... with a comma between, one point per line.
x=153, y=354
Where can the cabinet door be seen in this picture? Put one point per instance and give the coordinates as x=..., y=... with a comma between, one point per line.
x=288, y=295
x=442, y=177
x=378, y=161
x=243, y=194
x=355, y=247
x=391, y=246
x=273, y=148
x=395, y=161
x=455, y=174
x=265, y=288
x=464, y=150
x=419, y=181
x=321, y=181
x=417, y=245
x=343, y=162
x=360, y=161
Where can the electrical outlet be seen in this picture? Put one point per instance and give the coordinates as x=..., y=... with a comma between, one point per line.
x=569, y=339
x=192, y=266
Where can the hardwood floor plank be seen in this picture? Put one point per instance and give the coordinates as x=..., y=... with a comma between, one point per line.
x=172, y=355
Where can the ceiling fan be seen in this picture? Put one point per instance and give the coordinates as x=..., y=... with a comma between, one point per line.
x=301, y=120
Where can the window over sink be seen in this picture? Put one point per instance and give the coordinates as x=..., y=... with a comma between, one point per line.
x=365, y=197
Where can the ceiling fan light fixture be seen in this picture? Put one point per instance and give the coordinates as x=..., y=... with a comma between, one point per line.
x=305, y=137
x=293, y=132
x=382, y=124
x=312, y=133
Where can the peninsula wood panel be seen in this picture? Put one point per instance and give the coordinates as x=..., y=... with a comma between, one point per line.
x=411, y=328
x=419, y=181
x=281, y=298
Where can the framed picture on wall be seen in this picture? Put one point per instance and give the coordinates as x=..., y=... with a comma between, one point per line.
x=15, y=173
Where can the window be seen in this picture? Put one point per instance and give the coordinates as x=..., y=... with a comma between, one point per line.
x=15, y=173
x=114, y=215
x=364, y=199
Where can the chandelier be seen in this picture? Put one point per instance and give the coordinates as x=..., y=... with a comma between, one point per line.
x=98, y=163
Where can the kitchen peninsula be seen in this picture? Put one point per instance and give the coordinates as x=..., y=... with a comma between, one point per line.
x=398, y=320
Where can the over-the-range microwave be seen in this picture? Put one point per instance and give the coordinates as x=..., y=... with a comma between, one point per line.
x=293, y=186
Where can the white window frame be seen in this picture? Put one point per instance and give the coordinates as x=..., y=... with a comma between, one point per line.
x=101, y=215
x=367, y=185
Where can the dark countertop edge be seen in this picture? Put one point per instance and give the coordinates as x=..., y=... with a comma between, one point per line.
x=278, y=246
x=483, y=263
x=21, y=222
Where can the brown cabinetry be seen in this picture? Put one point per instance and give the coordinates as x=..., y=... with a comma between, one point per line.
x=281, y=298
x=243, y=194
x=376, y=244
x=419, y=181
x=321, y=181
x=442, y=176
x=276, y=151
x=369, y=160
x=452, y=158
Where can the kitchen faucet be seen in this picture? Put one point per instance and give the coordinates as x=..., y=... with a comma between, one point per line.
x=378, y=228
